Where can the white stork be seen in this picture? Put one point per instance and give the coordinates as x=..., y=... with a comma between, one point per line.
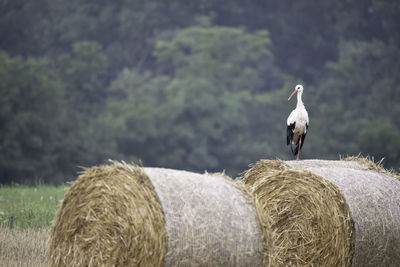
x=297, y=123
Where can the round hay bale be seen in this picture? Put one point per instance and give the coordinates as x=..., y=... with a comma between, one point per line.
x=373, y=196
x=124, y=215
x=329, y=213
x=111, y=216
x=263, y=218
x=209, y=221
x=308, y=215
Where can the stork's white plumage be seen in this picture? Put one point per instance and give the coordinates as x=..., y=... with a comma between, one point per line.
x=297, y=123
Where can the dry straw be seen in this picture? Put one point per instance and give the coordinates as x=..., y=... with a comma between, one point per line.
x=123, y=215
x=308, y=216
x=263, y=218
x=329, y=213
x=111, y=216
x=209, y=222
x=23, y=247
x=367, y=163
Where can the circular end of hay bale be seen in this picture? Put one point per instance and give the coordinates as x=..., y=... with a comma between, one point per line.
x=111, y=216
x=308, y=215
x=373, y=196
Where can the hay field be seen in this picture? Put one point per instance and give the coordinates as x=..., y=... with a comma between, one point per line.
x=23, y=247
x=25, y=218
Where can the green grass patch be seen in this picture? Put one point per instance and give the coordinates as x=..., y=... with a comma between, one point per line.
x=29, y=207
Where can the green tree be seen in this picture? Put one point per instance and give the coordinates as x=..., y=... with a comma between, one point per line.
x=30, y=113
x=131, y=80
x=380, y=138
x=193, y=113
x=360, y=89
x=83, y=72
x=25, y=27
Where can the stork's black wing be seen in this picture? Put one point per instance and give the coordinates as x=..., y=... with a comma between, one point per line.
x=289, y=135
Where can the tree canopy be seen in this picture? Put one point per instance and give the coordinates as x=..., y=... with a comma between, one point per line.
x=193, y=85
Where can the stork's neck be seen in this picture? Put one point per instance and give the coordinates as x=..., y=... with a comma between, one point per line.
x=299, y=101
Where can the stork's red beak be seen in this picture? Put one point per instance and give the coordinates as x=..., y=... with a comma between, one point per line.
x=294, y=92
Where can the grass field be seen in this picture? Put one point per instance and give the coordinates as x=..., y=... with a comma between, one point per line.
x=26, y=214
x=29, y=207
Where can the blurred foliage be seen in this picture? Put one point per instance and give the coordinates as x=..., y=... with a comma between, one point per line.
x=32, y=113
x=191, y=112
x=193, y=85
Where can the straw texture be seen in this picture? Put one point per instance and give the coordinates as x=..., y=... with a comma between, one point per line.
x=308, y=216
x=123, y=215
x=111, y=216
x=373, y=196
x=208, y=220
x=328, y=213
x=367, y=163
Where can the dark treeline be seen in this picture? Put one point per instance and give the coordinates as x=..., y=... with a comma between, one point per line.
x=195, y=85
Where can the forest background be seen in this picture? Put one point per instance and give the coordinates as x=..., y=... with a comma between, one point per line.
x=194, y=85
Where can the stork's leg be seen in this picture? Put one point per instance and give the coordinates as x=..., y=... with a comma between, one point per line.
x=298, y=153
